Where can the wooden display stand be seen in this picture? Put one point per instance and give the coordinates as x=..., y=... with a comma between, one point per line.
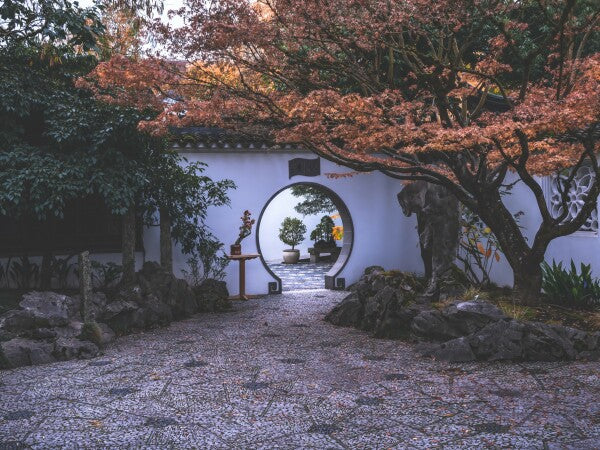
x=242, y=264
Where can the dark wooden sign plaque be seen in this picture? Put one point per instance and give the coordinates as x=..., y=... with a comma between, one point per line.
x=306, y=167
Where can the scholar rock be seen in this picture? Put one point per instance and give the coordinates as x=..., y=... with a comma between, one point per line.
x=50, y=308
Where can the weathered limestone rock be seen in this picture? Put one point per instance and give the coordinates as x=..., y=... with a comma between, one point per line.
x=119, y=315
x=25, y=352
x=212, y=295
x=348, y=313
x=455, y=350
x=49, y=308
x=457, y=320
x=18, y=320
x=463, y=331
x=395, y=318
x=107, y=335
x=71, y=348
x=438, y=226
x=49, y=326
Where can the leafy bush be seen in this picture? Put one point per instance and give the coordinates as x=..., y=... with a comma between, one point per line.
x=323, y=232
x=207, y=261
x=570, y=288
x=105, y=275
x=61, y=269
x=24, y=273
x=292, y=231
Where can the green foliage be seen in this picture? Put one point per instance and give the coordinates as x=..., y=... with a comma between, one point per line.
x=105, y=275
x=292, y=231
x=61, y=23
x=179, y=188
x=58, y=143
x=61, y=268
x=24, y=273
x=315, y=200
x=207, y=261
x=570, y=288
x=323, y=232
x=479, y=247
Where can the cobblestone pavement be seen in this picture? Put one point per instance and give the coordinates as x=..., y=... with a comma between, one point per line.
x=272, y=374
x=303, y=275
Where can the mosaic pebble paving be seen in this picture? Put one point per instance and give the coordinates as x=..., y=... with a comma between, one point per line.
x=302, y=275
x=252, y=378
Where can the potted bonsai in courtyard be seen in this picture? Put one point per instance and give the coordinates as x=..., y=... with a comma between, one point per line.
x=245, y=230
x=322, y=235
x=291, y=233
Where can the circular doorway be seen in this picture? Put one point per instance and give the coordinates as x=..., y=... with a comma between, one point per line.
x=320, y=259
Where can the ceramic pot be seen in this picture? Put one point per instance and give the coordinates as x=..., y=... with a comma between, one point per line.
x=236, y=249
x=291, y=256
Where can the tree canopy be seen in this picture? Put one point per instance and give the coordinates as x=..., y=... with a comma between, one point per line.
x=60, y=143
x=314, y=200
x=458, y=93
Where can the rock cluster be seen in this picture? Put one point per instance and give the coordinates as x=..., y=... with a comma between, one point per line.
x=384, y=303
x=48, y=326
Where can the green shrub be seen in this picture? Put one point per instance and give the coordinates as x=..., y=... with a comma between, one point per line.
x=570, y=288
x=292, y=231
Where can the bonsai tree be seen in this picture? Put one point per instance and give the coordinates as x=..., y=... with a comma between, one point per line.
x=323, y=233
x=292, y=231
x=245, y=228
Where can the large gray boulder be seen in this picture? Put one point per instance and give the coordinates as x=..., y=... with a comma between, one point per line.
x=120, y=315
x=71, y=348
x=25, y=352
x=395, y=318
x=515, y=341
x=347, y=313
x=457, y=320
x=49, y=308
x=455, y=350
x=380, y=302
x=170, y=290
x=212, y=295
x=17, y=320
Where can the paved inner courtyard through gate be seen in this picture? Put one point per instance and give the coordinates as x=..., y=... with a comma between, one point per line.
x=304, y=275
x=272, y=374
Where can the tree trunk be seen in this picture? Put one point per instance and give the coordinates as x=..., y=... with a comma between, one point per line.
x=524, y=261
x=166, y=245
x=128, y=246
x=528, y=284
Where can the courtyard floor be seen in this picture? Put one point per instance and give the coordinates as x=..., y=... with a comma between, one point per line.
x=273, y=374
x=303, y=275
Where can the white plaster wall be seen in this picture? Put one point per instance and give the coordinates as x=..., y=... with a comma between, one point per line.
x=581, y=246
x=383, y=235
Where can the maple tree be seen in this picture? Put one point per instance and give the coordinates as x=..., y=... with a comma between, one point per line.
x=473, y=95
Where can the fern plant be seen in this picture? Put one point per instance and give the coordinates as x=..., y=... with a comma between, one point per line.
x=569, y=287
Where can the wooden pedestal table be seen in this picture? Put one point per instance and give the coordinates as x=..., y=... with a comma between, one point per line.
x=242, y=263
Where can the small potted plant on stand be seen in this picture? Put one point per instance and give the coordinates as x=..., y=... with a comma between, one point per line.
x=291, y=233
x=245, y=230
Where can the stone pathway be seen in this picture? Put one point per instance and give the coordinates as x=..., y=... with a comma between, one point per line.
x=272, y=374
x=302, y=275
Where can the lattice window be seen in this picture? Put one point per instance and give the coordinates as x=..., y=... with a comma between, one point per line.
x=580, y=187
